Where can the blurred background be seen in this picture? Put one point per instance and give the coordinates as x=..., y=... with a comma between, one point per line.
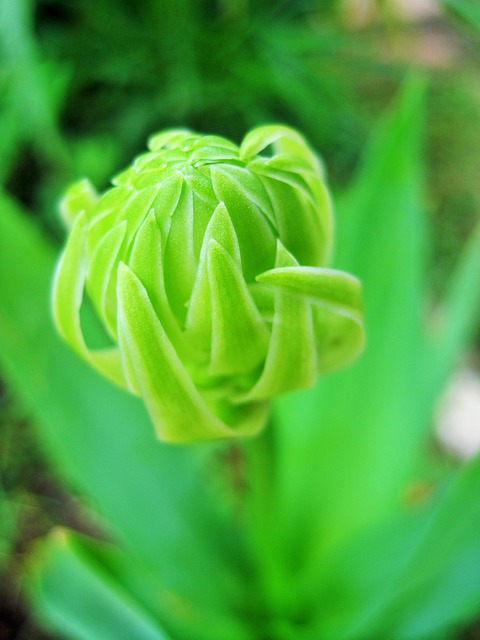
x=83, y=83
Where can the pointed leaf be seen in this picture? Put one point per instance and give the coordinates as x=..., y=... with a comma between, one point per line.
x=374, y=405
x=101, y=438
x=459, y=314
x=414, y=575
x=466, y=9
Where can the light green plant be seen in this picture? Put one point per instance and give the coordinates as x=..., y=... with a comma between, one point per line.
x=206, y=264
x=331, y=523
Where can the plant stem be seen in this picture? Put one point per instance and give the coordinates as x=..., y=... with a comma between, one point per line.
x=260, y=521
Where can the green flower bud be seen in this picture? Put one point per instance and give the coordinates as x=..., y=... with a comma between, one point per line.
x=206, y=264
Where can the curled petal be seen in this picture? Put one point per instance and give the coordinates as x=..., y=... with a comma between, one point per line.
x=284, y=141
x=79, y=197
x=168, y=138
x=292, y=355
x=338, y=318
x=336, y=290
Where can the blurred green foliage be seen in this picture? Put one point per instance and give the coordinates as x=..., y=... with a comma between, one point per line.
x=344, y=520
x=86, y=84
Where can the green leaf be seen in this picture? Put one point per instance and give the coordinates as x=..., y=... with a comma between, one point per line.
x=102, y=439
x=400, y=578
x=75, y=596
x=8, y=525
x=468, y=10
x=361, y=427
x=28, y=90
x=414, y=575
x=456, y=318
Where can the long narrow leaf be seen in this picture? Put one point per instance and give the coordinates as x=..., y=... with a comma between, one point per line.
x=360, y=427
x=77, y=598
x=103, y=440
x=468, y=10
x=413, y=576
x=459, y=316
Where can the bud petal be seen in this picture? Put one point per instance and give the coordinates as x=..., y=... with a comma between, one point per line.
x=239, y=340
x=101, y=276
x=199, y=323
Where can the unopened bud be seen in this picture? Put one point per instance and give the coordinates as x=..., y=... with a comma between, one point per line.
x=206, y=263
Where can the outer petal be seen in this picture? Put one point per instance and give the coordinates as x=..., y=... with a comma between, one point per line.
x=299, y=224
x=101, y=271
x=176, y=407
x=68, y=288
x=168, y=138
